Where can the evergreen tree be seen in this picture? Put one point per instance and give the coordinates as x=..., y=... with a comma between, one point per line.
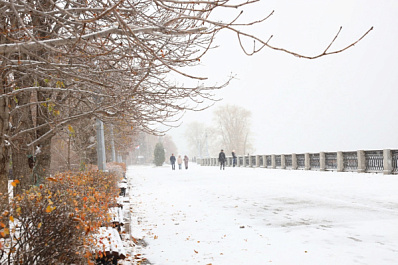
x=159, y=154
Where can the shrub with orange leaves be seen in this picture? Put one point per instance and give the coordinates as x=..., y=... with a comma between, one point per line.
x=55, y=223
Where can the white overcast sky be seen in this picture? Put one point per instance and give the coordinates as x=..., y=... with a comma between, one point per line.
x=342, y=102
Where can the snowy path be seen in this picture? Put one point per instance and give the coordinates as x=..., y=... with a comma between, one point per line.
x=264, y=216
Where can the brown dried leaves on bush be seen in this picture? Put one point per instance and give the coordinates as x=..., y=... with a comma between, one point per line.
x=54, y=223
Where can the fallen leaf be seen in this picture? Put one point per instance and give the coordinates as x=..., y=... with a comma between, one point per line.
x=52, y=179
x=50, y=208
x=14, y=183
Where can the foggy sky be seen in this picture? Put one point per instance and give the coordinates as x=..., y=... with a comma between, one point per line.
x=342, y=102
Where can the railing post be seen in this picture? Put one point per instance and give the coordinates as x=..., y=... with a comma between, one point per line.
x=294, y=162
x=264, y=161
x=250, y=161
x=238, y=161
x=340, y=162
x=307, y=162
x=283, y=162
x=257, y=161
x=322, y=161
x=387, y=162
x=273, y=162
x=361, y=161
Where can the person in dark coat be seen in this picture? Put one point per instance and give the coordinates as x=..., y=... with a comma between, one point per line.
x=186, y=159
x=221, y=159
x=233, y=158
x=173, y=162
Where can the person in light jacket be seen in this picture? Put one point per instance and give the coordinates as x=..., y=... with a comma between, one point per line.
x=186, y=159
x=179, y=162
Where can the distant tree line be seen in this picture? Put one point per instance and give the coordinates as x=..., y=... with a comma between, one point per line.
x=230, y=131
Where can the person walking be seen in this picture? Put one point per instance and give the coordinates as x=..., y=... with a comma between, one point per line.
x=179, y=162
x=173, y=162
x=233, y=158
x=221, y=159
x=186, y=159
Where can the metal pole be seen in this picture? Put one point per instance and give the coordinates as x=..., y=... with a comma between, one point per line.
x=113, y=145
x=101, y=146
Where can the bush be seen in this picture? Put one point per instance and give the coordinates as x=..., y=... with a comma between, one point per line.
x=159, y=154
x=55, y=223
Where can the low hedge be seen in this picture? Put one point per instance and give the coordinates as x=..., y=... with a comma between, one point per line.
x=54, y=223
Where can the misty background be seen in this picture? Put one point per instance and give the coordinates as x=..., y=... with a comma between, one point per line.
x=341, y=102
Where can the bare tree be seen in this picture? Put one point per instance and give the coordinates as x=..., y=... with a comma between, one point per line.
x=233, y=127
x=169, y=145
x=196, y=136
x=65, y=61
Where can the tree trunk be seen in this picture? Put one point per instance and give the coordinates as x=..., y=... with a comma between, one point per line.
x=43, y=157
x=4, y=126
x=43, y=162
x=4, y=148
x=20, y=169
x=21, y=154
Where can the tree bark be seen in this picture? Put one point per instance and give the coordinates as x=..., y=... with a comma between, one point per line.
x=43, y=162
x=22, y=120
x=41, y=169
x=4, y=148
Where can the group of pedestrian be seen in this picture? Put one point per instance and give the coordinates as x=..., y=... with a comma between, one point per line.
x=179, y=161
x=222, y=159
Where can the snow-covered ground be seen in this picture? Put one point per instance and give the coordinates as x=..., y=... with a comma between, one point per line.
x=262, y=216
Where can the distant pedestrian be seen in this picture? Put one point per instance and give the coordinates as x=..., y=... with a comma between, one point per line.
x=233, y=158
x=221, y=159
x=179, y=162
x=186, y=159
x=173, y=162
